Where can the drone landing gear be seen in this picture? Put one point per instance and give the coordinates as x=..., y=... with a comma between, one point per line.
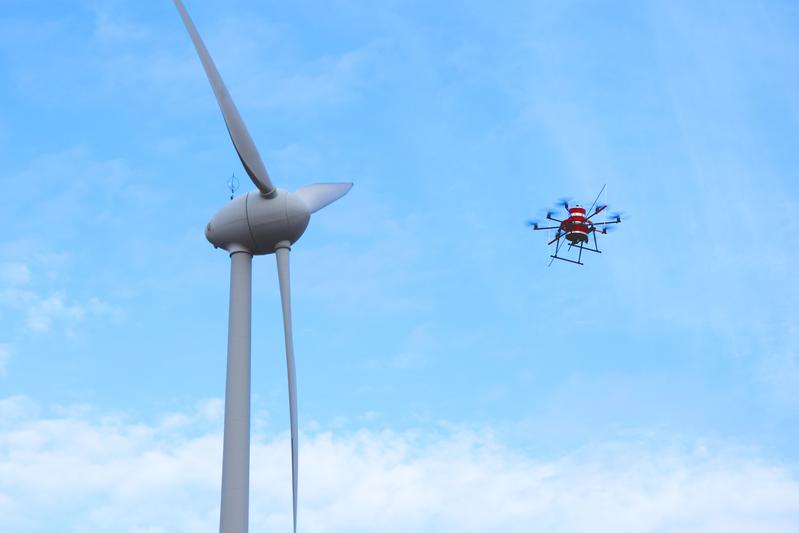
x=564, y=259
x=595, y=249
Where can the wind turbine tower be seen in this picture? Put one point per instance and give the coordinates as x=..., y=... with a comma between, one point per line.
x=265, y=221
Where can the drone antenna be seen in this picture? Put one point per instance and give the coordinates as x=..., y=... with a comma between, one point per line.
x=597, y=199
x=233, y=184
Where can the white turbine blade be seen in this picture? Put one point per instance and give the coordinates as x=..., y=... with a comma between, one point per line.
x=245, y=147
x=320, y=195
x=282, y=255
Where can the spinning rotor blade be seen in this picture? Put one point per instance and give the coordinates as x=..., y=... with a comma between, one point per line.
x=606, y=224
x=534, y=224
x=564, y=203
x=548, y=214
x=282, y=255
x=598, y=210
x=550, y=217
x=242, y=142
x=613, y=218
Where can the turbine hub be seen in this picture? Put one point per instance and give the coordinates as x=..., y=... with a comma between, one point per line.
x=258, y=224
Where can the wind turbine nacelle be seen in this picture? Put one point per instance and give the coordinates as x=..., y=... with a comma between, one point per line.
x=258, y=224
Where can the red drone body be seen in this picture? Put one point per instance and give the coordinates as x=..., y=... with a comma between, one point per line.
x=577, y=228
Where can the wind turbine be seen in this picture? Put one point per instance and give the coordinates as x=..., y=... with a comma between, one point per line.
x=260, y=222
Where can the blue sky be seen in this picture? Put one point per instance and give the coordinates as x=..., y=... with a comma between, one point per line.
x=448, y=378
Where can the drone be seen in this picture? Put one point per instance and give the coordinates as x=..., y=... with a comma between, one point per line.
x=577, y=228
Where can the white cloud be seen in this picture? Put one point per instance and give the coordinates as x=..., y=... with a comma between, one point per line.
x=40, y=310
x=263, y=63
x=43, y=312
x=263, y=67
x=14, y=408
x=92, y=472
x=211, y=409
x=54, y=307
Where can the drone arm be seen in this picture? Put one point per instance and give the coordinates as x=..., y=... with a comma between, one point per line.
x=547, y=227
x=598, y=210
x=608, y=222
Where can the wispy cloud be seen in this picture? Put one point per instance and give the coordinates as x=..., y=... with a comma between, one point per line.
x=266, y=67
x=40, y=310
x=262, y=61
x=81, y=191
x=41, y=313
x=14, y=408
x=57, y=307
x=90, y=470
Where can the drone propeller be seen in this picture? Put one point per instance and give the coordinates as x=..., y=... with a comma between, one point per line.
x=606, y=229
x=564, y=203
x=617, y=216
x=598, y=210
x=532, y=223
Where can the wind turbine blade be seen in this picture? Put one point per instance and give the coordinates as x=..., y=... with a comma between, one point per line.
x=242, y=141
x=282, y=255
x=320, y=195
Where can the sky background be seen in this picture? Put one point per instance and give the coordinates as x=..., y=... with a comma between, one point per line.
x=449, y=380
